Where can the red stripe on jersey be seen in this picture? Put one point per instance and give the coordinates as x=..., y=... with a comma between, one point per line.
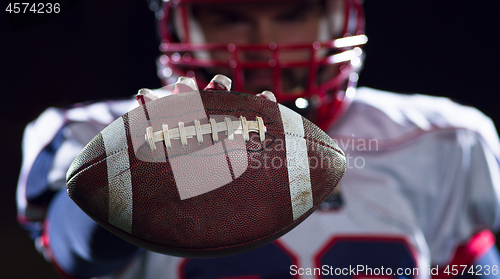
x=469, y=252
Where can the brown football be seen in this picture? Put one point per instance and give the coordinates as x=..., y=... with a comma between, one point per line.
x=205, y=173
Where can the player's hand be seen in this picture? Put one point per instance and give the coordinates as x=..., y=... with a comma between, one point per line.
x=221, y=82
x=186, y=84
x=268, y=95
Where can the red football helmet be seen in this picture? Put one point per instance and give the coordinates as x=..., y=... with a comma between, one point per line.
x=323, y=90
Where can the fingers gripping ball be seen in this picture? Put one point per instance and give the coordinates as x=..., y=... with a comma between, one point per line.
x=205, y=173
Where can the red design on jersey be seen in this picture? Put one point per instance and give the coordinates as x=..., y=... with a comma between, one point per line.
x=468, y=253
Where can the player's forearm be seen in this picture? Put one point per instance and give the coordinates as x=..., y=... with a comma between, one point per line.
x=79, y=246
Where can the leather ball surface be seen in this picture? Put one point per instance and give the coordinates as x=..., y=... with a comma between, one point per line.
x=205, y=174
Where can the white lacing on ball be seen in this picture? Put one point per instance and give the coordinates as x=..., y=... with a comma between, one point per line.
x=214, y=130
x=244, y=124
x=166, y=136
x=149, y=137
x=197, y=130
x=240, y=127
x=182, y=133
x=261, y=128
x=230, y=130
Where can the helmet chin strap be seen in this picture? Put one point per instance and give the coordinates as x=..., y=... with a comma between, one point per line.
x=323, y=29
x=335, y=17
x=195, y=33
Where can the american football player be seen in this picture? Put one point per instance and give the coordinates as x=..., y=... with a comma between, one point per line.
x=420, y=197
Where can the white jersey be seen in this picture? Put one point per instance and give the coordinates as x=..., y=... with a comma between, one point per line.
x=422, y=179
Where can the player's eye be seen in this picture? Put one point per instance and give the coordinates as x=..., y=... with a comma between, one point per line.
x=230, y=20
x=292, y=17
x=300, y=14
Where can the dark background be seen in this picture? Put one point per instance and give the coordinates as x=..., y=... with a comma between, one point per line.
x=102, y=49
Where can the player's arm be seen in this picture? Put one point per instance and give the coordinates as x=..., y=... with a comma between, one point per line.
x=75, y=244
x=479, y=252
x=79, y=247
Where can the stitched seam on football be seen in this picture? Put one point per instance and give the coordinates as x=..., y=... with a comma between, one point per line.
x=96, y=163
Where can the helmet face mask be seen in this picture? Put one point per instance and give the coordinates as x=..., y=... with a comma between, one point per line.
x=306, y=51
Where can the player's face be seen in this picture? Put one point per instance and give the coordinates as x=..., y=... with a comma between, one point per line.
x=262, y=23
